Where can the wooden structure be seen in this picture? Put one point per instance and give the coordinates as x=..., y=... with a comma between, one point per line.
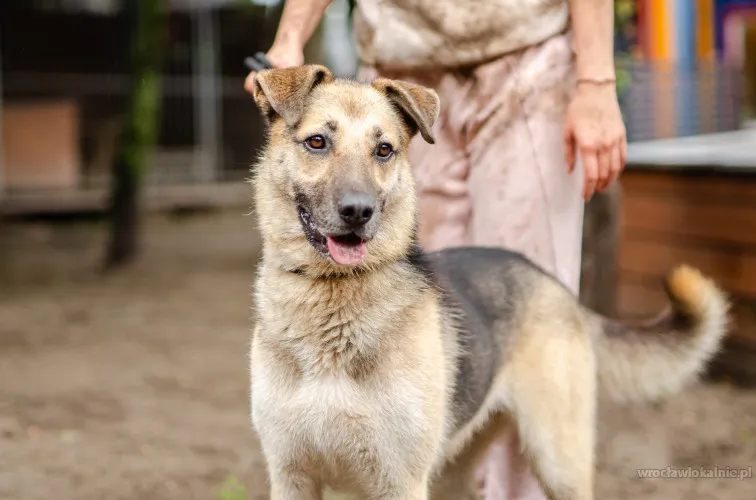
x=693, y=200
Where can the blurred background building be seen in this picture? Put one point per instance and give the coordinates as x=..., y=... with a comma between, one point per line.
x=688, y=67
x=65, y=86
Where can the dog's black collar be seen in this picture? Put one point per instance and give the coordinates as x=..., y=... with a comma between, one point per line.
x=299, y=271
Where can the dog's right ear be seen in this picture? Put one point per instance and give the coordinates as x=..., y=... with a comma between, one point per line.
x=418, y=105
x=284, y=91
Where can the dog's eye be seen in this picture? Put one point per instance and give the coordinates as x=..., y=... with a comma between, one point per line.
x=384, y=150
x=316, y=142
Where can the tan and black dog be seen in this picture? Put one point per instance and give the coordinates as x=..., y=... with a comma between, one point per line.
x=381, y=371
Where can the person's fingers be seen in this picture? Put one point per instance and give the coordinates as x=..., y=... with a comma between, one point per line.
x=623, y=152
x=249, y=82
x=604, y=166
x=590, y=167
x=616, y=163
x=569, y=149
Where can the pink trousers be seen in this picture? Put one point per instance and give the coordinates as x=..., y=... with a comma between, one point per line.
x=497, y=177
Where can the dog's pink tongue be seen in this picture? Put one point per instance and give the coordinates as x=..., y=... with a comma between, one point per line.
x=346, y=255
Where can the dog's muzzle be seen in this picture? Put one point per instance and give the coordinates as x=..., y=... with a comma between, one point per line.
x=348, y=249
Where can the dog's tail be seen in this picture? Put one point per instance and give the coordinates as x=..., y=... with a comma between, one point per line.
x=648, y=361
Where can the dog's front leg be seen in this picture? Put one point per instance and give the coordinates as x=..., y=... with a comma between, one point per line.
x=294, y=486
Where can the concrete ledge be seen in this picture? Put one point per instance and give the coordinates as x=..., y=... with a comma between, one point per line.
x=722, y=152
x=157, y=198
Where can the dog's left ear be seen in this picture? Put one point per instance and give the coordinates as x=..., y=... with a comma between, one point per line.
x=284, y=91
x=419, y=105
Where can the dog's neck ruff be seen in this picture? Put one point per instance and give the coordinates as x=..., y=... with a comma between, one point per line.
x=329, y=323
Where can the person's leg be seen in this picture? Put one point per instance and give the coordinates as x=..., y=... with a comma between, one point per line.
x=444, y=205
x=440, y=169
x=522, y=196
x=506, y=474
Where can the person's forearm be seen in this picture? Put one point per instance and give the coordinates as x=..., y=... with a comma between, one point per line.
x=593, y=35
x=298, y=21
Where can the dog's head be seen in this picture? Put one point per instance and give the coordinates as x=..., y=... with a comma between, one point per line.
x=334, y=187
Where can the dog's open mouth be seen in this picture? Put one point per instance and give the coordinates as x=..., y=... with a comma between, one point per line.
x=347, y=250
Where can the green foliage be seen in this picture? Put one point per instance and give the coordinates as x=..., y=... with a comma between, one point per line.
x=624, y=17
x=142, y=124
x=624, y=10
x=142, y=120
x=232, y=489
x=140, y=128
x=622, y=73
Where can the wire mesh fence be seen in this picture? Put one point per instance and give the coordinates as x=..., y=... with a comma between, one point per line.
x=672, y=100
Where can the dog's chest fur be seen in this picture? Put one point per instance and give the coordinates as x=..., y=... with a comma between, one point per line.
x=333, y=327
x=341, y=372
x=329, y=426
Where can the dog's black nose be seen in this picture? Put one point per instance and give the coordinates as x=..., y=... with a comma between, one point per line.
x=356, y=208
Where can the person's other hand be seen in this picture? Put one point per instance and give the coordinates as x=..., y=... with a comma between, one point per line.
x=280, y=57
x=594, y=129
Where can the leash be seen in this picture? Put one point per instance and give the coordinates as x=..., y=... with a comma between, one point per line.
x=270, y=18
x=258, y=63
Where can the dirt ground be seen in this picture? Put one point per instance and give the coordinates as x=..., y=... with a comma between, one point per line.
x=134, y=386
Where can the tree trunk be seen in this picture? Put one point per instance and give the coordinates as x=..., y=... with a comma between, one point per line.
x=139, y=133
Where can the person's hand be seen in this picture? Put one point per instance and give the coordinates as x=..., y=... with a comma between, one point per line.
x=281, y=57
x=594, y=129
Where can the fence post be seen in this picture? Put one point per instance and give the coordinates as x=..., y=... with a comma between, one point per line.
x=206, y=122
x=2, y=145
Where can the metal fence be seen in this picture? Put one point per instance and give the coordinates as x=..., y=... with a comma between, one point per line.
x=669, y=100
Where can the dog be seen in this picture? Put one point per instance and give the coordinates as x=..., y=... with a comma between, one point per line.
x=383, y=372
